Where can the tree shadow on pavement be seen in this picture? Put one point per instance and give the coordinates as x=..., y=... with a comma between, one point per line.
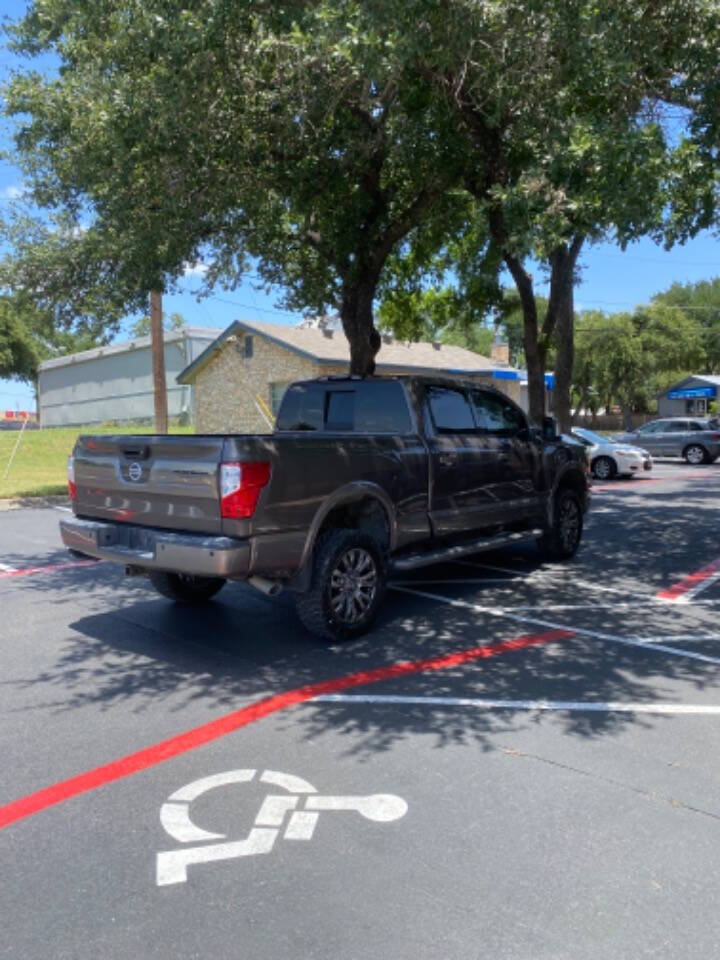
x=127, y=648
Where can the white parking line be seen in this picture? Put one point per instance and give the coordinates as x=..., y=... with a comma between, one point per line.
x=678, y=638
x=479, y=580
x=543, y=574
x=503, y=613
x=610, y=706
x=616, y=605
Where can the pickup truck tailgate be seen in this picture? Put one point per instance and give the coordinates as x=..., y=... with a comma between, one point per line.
x=155, y=481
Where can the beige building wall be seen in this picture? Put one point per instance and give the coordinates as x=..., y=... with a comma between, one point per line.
x=227, y=387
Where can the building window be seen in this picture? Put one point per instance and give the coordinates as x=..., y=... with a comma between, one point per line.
x=277, y=391
x=248, y=351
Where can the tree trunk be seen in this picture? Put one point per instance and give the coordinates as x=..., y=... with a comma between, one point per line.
x=561, y=312
x=158, y=362
x=356, y=314
x=535, y=352
x=626, y=408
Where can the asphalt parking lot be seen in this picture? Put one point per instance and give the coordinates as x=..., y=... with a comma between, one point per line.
x=519, y=762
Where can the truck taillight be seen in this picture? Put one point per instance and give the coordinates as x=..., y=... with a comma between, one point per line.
x=240, y=486
x=72, y=489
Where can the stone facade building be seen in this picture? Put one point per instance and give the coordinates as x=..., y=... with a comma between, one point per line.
x=240, y=378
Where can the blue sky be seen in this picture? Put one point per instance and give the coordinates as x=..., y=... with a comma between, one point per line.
x=611, y=280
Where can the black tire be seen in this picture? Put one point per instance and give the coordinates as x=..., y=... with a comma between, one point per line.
x=563, y=539
x=347, y=585
x=695, y=454
x=184, y=588
x=604, y=468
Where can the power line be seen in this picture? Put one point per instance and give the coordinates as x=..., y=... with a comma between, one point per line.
x=247, y=306
x=679, y=263
x=626, y=303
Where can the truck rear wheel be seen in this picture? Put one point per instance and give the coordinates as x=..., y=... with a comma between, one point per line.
x=563, y=538
x=183, y=587
x=347, y=585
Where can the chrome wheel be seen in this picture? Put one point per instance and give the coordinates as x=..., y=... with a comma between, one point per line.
x=569, y=524
x=695, y=454
x=603, y=468
x=353, y=585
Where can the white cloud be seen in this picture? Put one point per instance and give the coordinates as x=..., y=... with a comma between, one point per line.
x=13, y=192
x=196, y=269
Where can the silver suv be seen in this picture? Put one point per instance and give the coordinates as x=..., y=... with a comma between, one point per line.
x=696, y=439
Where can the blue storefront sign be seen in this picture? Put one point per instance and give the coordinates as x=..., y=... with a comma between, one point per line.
x=692, y=392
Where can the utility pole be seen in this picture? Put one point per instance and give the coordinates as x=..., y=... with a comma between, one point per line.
x=158, y=361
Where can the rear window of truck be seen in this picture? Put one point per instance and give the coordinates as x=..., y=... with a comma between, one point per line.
x=363, y=407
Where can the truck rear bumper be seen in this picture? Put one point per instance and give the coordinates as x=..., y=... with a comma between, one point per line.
x=190, y=553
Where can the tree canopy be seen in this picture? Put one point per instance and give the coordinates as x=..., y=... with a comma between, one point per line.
x=351, y=148
x=628, y=358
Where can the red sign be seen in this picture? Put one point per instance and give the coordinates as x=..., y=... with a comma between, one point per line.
x=19, y=415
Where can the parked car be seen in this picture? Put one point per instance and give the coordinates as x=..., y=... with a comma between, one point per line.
x=697, y=439
x=609, y=458
x=362, y=476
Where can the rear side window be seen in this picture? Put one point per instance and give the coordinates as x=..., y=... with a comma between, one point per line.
x=694, y=425
x=302, y=408
x=363, y=407
x=678, y=426
x=340, y=410
x=497, y=416
x=450, y=410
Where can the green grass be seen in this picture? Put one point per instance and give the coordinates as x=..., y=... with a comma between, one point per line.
x=40, y=464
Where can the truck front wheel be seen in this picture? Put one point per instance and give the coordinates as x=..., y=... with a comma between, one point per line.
x=347, y=585
x=563, y=538
x=184, y=588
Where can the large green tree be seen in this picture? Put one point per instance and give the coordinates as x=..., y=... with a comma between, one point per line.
x=554, y=101
x=628, y=358
x=700, y=302
x=291, y=135
x=19, y=353
x=315, y=138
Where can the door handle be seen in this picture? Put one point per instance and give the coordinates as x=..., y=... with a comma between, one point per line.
x=447, y=460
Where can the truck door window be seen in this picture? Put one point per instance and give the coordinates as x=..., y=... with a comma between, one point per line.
x=381, y=407
x=450, y=410
x=496, y=416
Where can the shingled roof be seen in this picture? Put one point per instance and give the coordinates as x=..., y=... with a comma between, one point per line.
x=331, y=347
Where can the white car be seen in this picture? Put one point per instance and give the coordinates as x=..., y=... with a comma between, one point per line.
x=608, y=458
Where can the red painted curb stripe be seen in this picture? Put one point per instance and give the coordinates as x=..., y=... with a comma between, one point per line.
x=626, y=484
x=684, y=586
x=26, y=571
x=197, y=737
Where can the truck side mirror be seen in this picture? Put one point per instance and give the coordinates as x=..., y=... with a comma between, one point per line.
x=549, y=428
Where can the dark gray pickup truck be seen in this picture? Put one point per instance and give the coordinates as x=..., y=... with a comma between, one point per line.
x=361, y=478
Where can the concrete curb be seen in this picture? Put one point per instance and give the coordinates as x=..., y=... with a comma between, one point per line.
x=53, y=500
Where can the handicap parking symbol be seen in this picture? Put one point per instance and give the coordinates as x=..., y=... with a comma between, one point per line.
x=296, y=810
